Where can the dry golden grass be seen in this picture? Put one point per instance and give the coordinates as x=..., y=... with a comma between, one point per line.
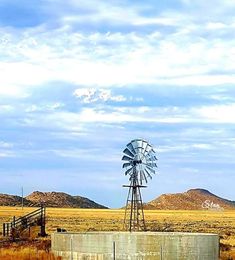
x=26, y=253
x=219, y=222
x=25, y=250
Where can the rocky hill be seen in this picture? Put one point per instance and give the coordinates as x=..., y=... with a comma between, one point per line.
x=62, y=200
x=194, y=199
x=50, y=199
x=12, y=200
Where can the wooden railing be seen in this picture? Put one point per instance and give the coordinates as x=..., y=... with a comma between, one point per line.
x=35, y=218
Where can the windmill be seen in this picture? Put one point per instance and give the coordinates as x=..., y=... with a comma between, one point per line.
x=139, y=163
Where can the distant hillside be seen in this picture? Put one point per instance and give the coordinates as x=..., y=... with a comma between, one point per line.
x=50, y=199
x=194, y=199
x=62, y=200
x=12, y=200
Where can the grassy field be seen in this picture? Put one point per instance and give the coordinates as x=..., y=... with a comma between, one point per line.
x=219, y=222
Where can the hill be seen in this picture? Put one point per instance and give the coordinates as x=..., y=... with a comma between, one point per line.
x=50, y=199
x=194, y=199
x=62, y=200
x=12, y=200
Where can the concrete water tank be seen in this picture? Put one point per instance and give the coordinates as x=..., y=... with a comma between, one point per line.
x=136, y=245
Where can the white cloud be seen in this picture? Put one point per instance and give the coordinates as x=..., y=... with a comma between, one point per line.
x=71, y=121
x=5, y=149
x=183, y=147
x=44, y=107
x=6, y=108
x=192, y=52
x=6, y=154
x=216, y=26
x=80, y=122
x=90, y=154
x=225, y=98
x=9, y=90
x=115, y=14
x=105, y=60
x=217, y=113
x=5, y=144
x=202, y=146
x=90, y=95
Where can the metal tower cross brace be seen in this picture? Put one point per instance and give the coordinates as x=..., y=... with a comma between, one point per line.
x=134, y=213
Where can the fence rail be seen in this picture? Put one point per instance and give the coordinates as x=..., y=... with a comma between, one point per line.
x=35, y=218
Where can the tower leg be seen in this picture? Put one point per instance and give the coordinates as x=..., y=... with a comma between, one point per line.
x=134, y=213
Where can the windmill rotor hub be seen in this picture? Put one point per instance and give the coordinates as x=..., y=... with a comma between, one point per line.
x=135, y=162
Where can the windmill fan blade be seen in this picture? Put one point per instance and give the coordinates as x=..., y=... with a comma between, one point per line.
x=152, y=162
x=149, y=168
x=144, y=177
x=135, y=145
x=141, y=177
x=126, y=165
x=148, y=156
x=150, y=153
x=131, y=148
x=128, y=171
x=126, y=158
x=151, y=158
x=149, y=175
x=127, y=151
x=139, y=145
x=139, y=142
x=152, y=165
x=148, y=149
x=144, y=145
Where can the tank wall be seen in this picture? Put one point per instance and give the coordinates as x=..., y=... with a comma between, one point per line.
x=133, y=246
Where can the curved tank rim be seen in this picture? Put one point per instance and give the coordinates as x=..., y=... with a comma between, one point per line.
x=138, y=233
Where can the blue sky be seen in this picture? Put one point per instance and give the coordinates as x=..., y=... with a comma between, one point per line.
x=80, y=79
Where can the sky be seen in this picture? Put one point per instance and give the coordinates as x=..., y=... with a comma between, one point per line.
x=81, y=79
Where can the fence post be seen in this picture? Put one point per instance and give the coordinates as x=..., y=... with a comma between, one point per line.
x=7, y=229
x=4, y=232
x=161, y=253
x=114, y=250
x=43, y=220
x=71, y=248
x=41, y=212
